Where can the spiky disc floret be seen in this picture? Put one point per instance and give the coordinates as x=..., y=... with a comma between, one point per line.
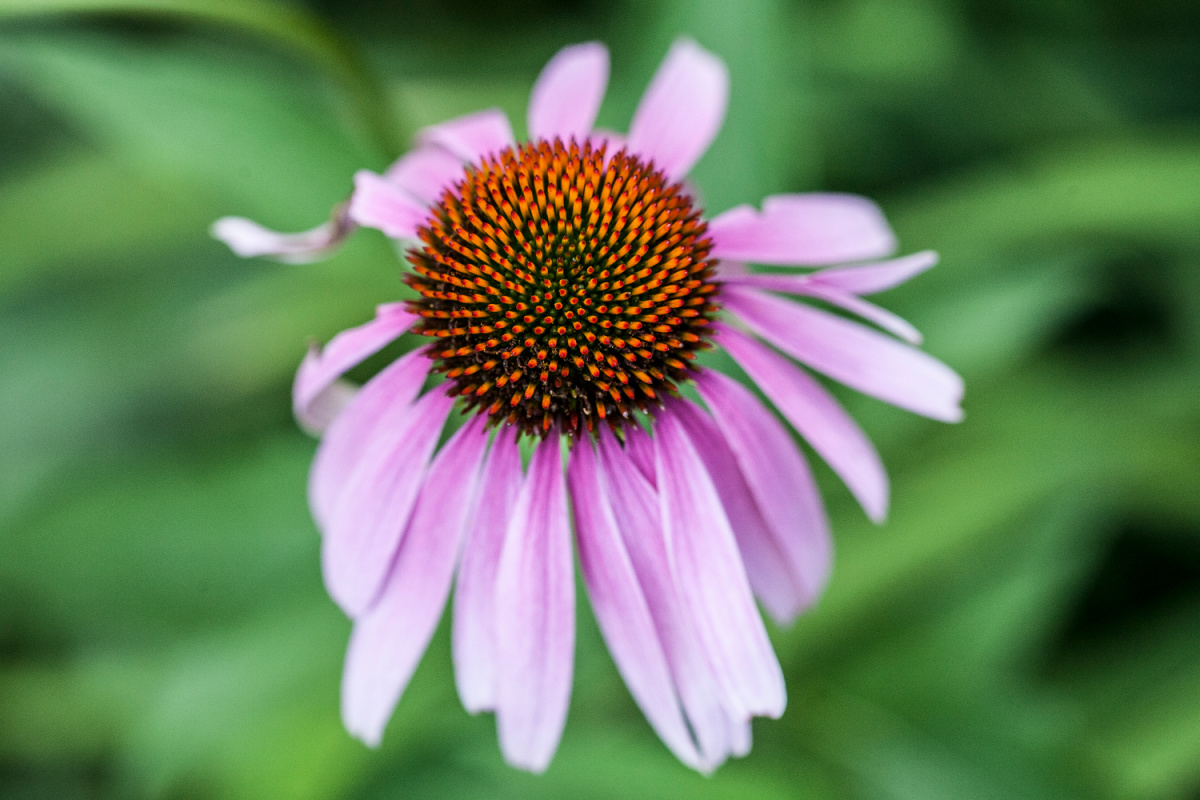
x=566, y=288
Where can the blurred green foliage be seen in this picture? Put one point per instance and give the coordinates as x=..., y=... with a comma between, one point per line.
x=1027, y=625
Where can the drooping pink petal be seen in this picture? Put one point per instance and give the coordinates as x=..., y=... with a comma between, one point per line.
x=568, y=93
x=852, y=354
x=474, y=629
x=384, y=397
x=810, y=286
x=248, y=239
x=376, y=498
x=705, y=562
x=425, y=172
x=767, y=565
x=893, y=324
x=640, y=448
x=535, y=617
x=817, y=416
x=379, y=203
x=322, y=367
x=471, y=137
x=859, y=279
x=636, y=510
x=781, y=483
x=621, y=609
x=872, y=278
x=810, y=229
x=387, y=642
x=682, y=109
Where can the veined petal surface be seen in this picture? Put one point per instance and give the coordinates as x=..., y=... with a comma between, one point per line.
x=705, y=562
x=387, y=642
x=473, y=635
x=621, y=608
x=682, y=109
x=816, y=416
x=810, y=229
x=852, y=354
x=568, y=93
x=535, y=616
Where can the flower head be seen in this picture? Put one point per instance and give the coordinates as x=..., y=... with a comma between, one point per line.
x=566, y=284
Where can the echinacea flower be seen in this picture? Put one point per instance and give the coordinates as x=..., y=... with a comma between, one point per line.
x=566, y=284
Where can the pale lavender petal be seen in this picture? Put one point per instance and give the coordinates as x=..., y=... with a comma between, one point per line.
x=385, y=397
x=767, y=565
x=705, y=563
x=612, y=141
x=635, y=507
x=802, y=229
x=320, y=413
x=535, y=617
x=640, y=448
x=817, y=416
x=621, y=608
x=379, y=203
x=322, y=367
x=852, y=354
x=780, y=482
x=682, y=109
x=474, y=629
x=872, y=278
x=248, y=239
x=368, y=519
x=739, y=737
x=426, y=172
x=471, y=137
x=387, y=643
x=568, y=93
x=893, y=324
x=859, y=279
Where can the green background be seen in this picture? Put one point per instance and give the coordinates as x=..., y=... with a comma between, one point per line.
x=1027, y=623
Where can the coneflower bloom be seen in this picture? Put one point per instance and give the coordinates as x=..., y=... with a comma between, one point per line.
x=566, y=284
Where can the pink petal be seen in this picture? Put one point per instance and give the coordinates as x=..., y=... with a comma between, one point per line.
x=893, y=324
x=802, y=229
x=376, y=497
x=387, y=394
x=872, y=278
x=848, y=352
x=248, y=239
x=568, y=93
x=535, y=617
x=387, y=642
x=640, y=448
x=810, y=286
x=767, y=565
x=612, y=141
x=471, y=137
x=780, y=482
x=859, y=279
x=635, y=508
x=426, y=172
x=682, y=109
x=474, y=629
x=621, y=608
x=379, y=203
x=705, y=563
x=321, y=368
x=817, y=417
